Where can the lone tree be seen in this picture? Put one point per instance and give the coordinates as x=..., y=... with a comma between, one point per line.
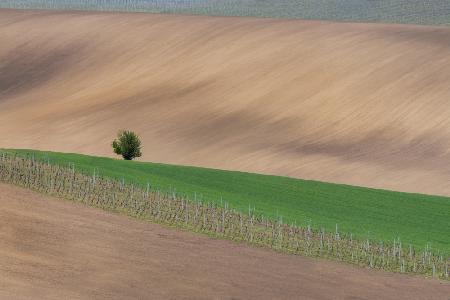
x=127, y=144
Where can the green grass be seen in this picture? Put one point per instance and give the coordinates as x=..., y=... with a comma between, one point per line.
x=378, y=214
x=424, y=12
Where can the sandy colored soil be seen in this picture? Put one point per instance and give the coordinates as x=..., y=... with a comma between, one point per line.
x=53, y=249
x=362, y=104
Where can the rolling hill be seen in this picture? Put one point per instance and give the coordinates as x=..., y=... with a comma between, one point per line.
x=53, y=249
x=377, y=215
x=361, y=104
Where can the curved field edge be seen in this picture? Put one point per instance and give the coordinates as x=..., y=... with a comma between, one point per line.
x=378, y=215
x=142, y=259
x=371, y=87
x=435, y=12
x=222, y=222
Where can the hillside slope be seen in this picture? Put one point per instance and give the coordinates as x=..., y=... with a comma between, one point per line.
x=417, y=220
x=361, y=104
x=53, y=249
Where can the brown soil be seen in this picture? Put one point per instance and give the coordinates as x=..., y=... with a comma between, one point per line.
x=362, y=104
x=53, y=249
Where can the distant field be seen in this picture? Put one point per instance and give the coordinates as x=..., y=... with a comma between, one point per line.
x=377, y=214
x=431, y=12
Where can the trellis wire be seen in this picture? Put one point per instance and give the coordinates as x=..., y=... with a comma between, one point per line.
x=174, y=210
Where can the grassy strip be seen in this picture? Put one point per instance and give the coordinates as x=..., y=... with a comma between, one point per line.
x=216, y=221
x=366, y=213
x=432, y=12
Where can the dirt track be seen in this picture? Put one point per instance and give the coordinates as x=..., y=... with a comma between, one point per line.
x=53, y=249
x=360, y=104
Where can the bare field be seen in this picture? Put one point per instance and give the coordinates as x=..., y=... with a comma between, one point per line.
x=362, y=104
x=54, y=249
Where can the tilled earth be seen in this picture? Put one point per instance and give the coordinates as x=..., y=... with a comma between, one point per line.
x=54, y=249
x=360, y=104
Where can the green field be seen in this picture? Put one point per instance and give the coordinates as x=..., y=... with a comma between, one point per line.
x=367, y=213
x=428, y=12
